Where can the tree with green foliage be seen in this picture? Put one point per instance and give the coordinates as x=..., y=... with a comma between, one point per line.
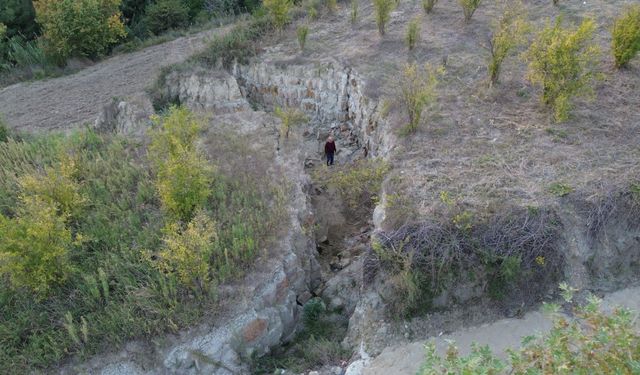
x=183, y=176
x=507, y=33
x=383, y=9
x=79, y=27
x=279, y=11
x=563, y=62
x=469, y=8
x=35, y=246
x=166, y=14
x=626, y=36
x=19, y=17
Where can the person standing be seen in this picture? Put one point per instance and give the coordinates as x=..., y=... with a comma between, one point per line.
x=330, y=150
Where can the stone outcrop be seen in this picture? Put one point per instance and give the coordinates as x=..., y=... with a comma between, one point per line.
x=130, y=116
x=327, y=93
x=204, y=90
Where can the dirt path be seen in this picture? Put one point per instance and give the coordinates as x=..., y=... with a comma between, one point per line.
x=500, y=335
x=64, y=102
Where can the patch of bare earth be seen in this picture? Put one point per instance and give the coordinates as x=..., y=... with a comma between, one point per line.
x=65, y=102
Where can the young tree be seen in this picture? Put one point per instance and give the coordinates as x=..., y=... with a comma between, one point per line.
x=184, y=176
x=626, y=36
x=469, y=7
x=563, y=62
x=290, y=118
x=382, y=9
x=428, y=5
x=79, y=27
x=279, y=10
x=412, y=36
x=417, y=89
x=506, y=34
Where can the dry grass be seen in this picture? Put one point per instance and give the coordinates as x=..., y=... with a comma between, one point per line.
x=488, y=146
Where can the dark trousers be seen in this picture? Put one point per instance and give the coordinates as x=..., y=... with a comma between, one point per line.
x=330, y=158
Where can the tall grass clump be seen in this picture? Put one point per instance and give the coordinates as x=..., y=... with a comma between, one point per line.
x=469, y=8
x=412, y=36
x=382, y=10
x=507, y=33
x=428, y=5
x=563, y=62
x=626, y=36
x=417, y=90
x=301, y=32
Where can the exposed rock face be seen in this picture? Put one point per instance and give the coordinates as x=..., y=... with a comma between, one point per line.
x=327, y=93
x=130, y=116
x=203, y=90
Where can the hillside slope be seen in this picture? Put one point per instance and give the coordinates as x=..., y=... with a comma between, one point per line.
x=63, y=102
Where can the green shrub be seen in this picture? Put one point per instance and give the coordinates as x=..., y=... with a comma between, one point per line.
x=237, y=45
x=79, y=27
x=590, y=342
x=428, y=5
x=187, y=251
x=302, y=31
x=57, y=186
x=626, y=36
x=290, y=118
x=383, y=9
x=183, y=174
x=417, y=89
x=469, y=7
x=507, y=33
x=560, y=189
x=19, y=17
x=166, y=14
x=279, y=11
x=358, y=184
x=412, y=36
x=563, y=61
x=34, y=246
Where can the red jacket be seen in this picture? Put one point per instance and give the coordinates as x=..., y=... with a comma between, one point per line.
x=330, y=147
